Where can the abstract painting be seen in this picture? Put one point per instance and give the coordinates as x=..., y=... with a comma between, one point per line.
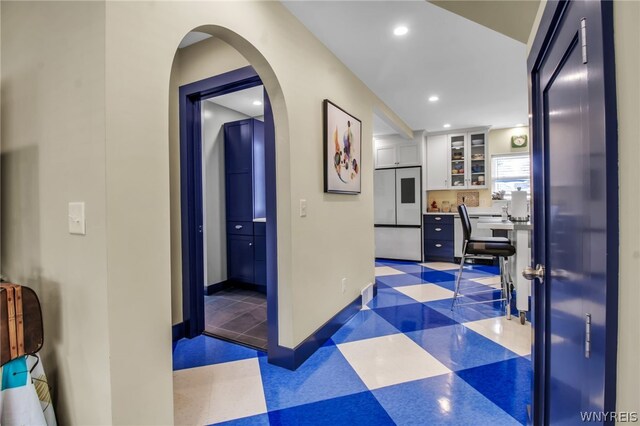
x=342, y=149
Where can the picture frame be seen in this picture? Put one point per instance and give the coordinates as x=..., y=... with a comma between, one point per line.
x=342, y=146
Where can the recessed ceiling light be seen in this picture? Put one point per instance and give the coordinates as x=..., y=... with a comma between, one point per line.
x=446, y=126
x=257, y=103
x=400, y=30
x=433, y=98
x=519, y=125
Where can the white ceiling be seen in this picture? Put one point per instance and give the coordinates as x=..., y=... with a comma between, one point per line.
x=479, y=74
x=242, y=101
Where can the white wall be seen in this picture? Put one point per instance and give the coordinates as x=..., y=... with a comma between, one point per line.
x=627, y=40
x=213, y=186
x=53, y=152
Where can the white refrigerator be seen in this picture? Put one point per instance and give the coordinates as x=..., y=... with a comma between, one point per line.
x=398, y=213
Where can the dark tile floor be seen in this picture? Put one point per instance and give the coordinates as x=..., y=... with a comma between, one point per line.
x=239, y=315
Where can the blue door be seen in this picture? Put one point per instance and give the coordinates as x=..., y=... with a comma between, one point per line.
x=575, y=212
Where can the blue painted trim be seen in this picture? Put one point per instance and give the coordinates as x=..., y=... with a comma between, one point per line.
x=291, y=359
x=552, y=16
x=177, y=331
x=190, y=96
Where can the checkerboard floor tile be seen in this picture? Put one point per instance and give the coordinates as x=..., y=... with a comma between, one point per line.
x=407, y=359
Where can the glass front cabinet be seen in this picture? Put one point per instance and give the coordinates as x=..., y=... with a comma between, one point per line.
x=468, y=160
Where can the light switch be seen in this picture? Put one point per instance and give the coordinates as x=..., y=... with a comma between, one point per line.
x=76, y=218
x=303, y=207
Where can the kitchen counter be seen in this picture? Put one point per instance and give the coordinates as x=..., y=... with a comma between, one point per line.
x=498, y=223
x=472, y=212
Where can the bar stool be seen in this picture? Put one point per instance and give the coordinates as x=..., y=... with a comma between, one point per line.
x=499, y=247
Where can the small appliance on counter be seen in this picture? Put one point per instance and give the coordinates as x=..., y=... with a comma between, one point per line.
x=519, y=206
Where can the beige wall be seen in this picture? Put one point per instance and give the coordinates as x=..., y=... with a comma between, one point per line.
x=53, y=152
x=298, y=72
x=499, y=143
x=627, y=40
x=196, y=62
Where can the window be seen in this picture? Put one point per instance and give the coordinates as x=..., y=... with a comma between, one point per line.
x=510, y=172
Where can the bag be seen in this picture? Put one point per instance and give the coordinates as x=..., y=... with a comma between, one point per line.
x=21, y=331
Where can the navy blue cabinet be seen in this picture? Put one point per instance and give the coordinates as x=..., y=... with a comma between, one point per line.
x=245, y=201
x=438, y=237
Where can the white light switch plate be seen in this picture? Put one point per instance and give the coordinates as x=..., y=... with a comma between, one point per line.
x=303, y=207
x=76, y=218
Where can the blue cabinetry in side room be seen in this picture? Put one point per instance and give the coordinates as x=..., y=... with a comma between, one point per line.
x=438, y=237
x=245, y=201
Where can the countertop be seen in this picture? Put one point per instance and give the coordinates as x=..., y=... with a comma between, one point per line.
x=498, y=223
x=472, y=212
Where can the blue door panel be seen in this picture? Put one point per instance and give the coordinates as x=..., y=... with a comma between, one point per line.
x=575, y=205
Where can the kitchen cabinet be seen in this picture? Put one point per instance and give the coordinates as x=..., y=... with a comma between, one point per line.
x=437, y=169
x=397, y=152
x=245, y=201
x=467, y=160
x=438, y=238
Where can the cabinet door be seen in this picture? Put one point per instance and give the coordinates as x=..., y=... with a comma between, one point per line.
x=239, y=197
x=240, y=258
x=385, y=156
x=437, y=168
x=457, y=148
x=238, y=140
x=408, y=154
x=408, y=206
x=477, y=161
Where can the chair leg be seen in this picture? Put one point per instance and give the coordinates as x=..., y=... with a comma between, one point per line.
x=507, y=284
x=457, y=288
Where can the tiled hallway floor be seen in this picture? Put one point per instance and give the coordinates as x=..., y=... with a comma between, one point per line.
x=237, y=314
x=406, y=360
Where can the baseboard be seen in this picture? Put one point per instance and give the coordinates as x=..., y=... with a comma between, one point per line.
x=178, y=331
x=291, y=359
x=214, y=288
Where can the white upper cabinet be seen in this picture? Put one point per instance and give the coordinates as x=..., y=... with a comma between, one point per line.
x=457, y=161
x=436, y=167
x=394, y=151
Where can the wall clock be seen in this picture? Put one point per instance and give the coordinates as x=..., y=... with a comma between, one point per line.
x=519, y=141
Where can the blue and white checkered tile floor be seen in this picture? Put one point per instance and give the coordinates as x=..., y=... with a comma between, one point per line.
x=406, y=359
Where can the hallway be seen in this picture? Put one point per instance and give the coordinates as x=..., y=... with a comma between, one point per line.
x=407, y=359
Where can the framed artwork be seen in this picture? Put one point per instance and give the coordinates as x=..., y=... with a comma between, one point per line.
x=519, y=141
x=342, y=150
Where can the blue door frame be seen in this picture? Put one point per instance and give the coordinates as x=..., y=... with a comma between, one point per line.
x=602, y=111
x=190, y=96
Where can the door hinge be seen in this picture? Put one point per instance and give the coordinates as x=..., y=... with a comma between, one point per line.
x=583, y=39
x=587, y=336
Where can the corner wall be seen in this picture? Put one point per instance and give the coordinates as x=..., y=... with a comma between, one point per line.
x=334, y=241
x=53, y=152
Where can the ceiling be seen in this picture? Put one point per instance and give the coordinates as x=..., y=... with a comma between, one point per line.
x=478, y=73
x=242, y=101
x=513, y=18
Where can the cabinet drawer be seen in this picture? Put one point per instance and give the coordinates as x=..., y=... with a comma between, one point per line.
x=438, y=231
x=239, y=228
x=439, y=249
x=437, y=218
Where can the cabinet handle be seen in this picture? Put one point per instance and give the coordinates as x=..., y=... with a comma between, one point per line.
x=438, y=218
x=238, y=226
x=438, y=245
x=438, y=229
